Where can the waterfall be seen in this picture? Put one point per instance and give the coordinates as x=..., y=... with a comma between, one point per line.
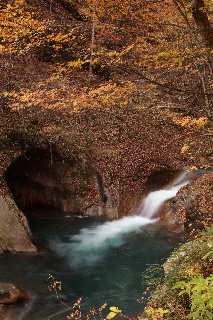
x=92, y=243
x=153, y=202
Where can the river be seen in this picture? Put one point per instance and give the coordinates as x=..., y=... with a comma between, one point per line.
x=96, y=260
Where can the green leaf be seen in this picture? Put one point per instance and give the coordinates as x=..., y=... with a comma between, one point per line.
x=209, y=314
x=210, y=253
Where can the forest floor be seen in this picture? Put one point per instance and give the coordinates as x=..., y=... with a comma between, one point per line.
x=126, y=120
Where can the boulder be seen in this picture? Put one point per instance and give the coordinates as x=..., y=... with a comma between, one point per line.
x=11, y=301
x=15, y=235
x=11, y=294
x=191, y=209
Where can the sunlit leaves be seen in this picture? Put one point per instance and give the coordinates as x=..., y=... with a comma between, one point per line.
x=19, y=29
x=113, y=312
x=190, y=122
x=200, y=292
x=155, y=313
x=58, y=37
x=192, y=168
x=209, y=255
x=76, y=63
x=184, y=148
x=53, y=95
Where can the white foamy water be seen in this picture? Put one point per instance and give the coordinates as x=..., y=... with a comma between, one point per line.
x=91, y=244
x=153, y=202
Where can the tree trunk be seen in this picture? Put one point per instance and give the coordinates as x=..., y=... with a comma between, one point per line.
x=202, y=22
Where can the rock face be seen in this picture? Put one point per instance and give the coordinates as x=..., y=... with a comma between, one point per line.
x=15, y=234
x=92, y=162
x=41, y=177
x=10, y=299
x=195, y=203
x=10, y=294
x=192, y=207
x=131, y=124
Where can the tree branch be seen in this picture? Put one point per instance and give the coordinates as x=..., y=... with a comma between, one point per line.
x=163, y=85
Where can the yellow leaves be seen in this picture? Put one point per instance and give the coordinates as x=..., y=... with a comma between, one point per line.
x=39, y=95
x=19, y=3
x=53, y=93
x=190, y=122
x=20, y=31
x=209, y=5
x=210, y=244
x=16, y=26
x=101, y=308
x=110, y=94
x=192, y=168
x=108, y=88
x=184, y=148
x=76, y=63
x=112, y=54
x=114, y=311
x=5, y=94
x=192, y=271
x=156, y=314
x=9, y=94
x=200, y=122
x=178, y=61
x=58, y=37
x=127, y=49
x=183, y=121
x=9, y=7
x=171, y=56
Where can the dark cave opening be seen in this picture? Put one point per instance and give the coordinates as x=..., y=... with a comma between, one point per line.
x=160, y=179
x=34, y=180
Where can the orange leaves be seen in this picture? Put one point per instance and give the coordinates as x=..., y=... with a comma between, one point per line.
x=19, y=3
x=184, y=148
x=105, y=95
x=19, y=29
x=76, y=63
x=189, y=122
x=53, y=94
x=58, y=37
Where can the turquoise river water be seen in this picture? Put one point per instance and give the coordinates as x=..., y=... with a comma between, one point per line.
x=98, y=261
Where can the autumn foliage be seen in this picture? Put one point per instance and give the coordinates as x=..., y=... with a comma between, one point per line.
x=68, y=56
x=137, y=40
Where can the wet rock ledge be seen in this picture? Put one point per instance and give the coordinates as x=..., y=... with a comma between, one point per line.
x=11, y=300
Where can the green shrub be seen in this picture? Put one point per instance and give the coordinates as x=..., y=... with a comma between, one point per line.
x=188, y=261
x=200, y=292
x=187, y=288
